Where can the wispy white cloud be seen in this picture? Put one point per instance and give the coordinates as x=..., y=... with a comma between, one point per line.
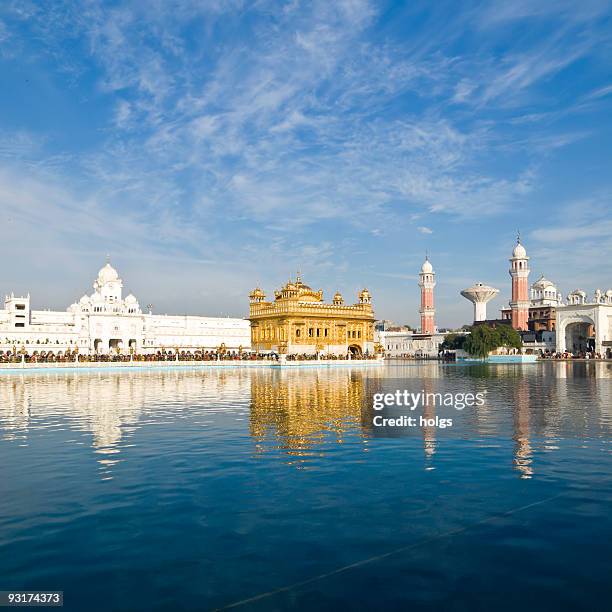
x=600, y=92
x=499, y=14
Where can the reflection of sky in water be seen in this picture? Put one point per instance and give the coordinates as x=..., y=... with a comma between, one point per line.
x=251, y=465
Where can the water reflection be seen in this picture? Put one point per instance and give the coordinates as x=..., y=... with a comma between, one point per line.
x=523, y=453
x=298, y=409
x=303, y=413
x=110, y=406
x=429, y=431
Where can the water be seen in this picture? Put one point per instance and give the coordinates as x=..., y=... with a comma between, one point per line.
x=199, y=489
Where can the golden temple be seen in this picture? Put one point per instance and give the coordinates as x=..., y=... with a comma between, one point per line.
x=298, y=321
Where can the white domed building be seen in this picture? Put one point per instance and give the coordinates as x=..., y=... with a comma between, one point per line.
x=545, y=293
x=105, y=322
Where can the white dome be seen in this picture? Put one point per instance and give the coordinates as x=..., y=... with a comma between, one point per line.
x=578, y=292
x=427, y=268
x=543, y=283
x=519, y=251
x=84, y=300
x=130, y=299
x=107, y=274
x=609, y=293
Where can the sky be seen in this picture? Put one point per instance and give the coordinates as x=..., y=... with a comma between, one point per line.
x=213, y=145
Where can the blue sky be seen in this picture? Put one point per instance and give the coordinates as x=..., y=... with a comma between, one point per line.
x=209, y=146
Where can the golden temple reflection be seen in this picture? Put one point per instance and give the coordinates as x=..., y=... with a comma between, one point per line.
x=523, y=453
x=299, y=409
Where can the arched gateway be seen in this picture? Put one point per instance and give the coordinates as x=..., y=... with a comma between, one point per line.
x=579, y=335
x=584, y=327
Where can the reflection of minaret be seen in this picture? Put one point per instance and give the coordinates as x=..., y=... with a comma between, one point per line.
x=522, y=449
x=519, y=271
x=429, y=432
x=427, y=282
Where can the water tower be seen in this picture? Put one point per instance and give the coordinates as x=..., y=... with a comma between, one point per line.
x=479, y=295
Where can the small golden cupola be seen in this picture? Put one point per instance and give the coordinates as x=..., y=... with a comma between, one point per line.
x=365, y=297
x=257, y=295
x=338, y=299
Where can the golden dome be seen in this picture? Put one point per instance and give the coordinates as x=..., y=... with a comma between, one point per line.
x=364, y=296
x=257, y=294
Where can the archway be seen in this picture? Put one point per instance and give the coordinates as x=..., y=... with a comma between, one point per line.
x=579, y=337
x=355, y=351
x=115, y=344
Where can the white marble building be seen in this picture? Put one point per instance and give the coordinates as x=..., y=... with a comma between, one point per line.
x=409, y=344
x=105, y=322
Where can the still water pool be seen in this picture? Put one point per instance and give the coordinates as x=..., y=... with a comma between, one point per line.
x=202, y=489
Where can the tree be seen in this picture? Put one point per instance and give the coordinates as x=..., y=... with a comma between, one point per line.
x=509, y=337
x=484, y=339
x=453, y=342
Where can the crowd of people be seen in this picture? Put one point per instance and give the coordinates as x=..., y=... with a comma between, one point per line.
x=326, y=356
x=577, y=355
x=17, y=356
x=73, y=356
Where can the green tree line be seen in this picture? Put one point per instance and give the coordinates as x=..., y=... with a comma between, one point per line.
x=483, y=339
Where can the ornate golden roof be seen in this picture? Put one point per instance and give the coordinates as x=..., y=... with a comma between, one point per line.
x=298, y=291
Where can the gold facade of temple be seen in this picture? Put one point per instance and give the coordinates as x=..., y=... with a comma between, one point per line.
x=299, y=321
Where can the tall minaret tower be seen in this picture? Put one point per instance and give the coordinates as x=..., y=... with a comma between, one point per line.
x=427, y=282
x=519, y=271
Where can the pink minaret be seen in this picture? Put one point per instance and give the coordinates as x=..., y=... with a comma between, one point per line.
x=519, y=271
x=427, y=282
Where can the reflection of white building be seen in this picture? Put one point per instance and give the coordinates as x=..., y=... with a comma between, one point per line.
x=105, y=321
x=110, y=406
